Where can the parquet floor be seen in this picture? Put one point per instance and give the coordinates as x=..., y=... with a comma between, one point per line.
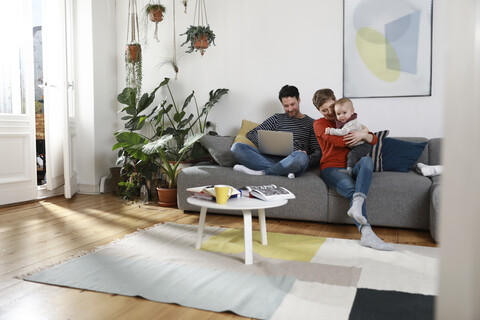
x=38, y=234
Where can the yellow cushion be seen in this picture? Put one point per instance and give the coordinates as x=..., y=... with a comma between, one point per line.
x=242, y=134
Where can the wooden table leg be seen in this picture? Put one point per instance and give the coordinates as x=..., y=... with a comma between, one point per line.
x=247, y=234
x=201, y=223
x=263, y=225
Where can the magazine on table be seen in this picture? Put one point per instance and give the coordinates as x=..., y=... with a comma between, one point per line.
x=269, y=192
x=208, y=192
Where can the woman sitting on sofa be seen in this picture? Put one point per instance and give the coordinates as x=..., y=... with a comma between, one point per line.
x=333, y=164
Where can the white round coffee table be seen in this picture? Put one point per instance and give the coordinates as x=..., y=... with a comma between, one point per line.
x=246, y=205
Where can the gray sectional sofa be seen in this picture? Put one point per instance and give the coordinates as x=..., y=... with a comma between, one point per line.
x=395, y=199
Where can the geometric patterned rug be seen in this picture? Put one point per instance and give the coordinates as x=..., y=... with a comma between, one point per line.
x=293, y=277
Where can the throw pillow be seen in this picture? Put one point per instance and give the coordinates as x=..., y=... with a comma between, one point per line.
x=399, y=155
x=242, y=134
x=376, y=153
x=219, y=149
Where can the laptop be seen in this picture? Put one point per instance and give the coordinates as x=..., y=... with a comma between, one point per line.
x=278, y=143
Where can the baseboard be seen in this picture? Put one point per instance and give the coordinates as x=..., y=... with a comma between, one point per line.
x=89, y=188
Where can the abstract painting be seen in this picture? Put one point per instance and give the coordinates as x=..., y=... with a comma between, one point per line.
x=387, y=48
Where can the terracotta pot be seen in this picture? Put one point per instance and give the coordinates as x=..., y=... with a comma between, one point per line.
x=201, y=42
x=167, y=197
x=133, y=52
x=156, y=15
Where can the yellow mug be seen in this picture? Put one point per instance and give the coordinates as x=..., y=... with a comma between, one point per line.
x=222, y=193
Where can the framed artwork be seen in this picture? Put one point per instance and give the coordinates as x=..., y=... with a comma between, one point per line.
x=387, y=48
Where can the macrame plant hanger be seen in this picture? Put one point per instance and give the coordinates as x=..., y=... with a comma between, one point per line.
x=156, y=16
x=174, y=60
x=133, y=52
x=200, y=19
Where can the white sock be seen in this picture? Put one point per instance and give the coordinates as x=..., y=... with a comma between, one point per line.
x=429, y=171
x=349, y=171
x=355, y=210
x=291, y=176
x=370, y=239
x=241, y=168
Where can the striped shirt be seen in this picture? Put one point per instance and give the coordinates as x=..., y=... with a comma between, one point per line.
x=304, y=138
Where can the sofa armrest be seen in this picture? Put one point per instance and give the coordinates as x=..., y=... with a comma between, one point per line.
x=434, y=151
x=435, y=207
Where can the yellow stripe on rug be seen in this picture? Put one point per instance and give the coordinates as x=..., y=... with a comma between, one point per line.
x=280, y=245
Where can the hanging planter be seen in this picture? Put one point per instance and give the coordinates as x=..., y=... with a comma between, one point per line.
x=155, y=12
x=199, y=35
x=201, y=43
x=133, y=50
x=133, y=53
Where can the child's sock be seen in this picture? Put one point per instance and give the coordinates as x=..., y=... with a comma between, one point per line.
x=370, y=239
x=291, y=176
x=241, y=168
x=355, y=210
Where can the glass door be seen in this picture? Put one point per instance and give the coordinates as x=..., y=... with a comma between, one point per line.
x=18, y=179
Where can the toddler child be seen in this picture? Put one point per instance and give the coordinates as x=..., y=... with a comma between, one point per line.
x=345, y=123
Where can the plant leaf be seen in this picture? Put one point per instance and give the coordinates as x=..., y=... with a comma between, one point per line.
x=187, y=100
x=128, y=96
x=152, y=147
x=190, y=141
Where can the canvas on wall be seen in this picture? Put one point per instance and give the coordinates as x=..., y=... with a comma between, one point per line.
x=387, y=48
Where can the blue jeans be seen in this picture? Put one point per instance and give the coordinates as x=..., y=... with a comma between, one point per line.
x=350, y=187
x=250, y=157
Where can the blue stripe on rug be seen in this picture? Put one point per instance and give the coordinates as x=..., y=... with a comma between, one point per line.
x=247, y=295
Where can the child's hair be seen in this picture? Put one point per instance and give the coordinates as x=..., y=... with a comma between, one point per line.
x=343, y=101
x=288, y=91
x=321, y=96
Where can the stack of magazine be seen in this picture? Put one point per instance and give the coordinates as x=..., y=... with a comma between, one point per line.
x=208, y=192
x=269, y=192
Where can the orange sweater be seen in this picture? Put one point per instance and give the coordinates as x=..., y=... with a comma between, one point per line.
x=334, y=151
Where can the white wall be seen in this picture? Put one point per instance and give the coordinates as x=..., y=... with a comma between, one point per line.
x=263, y=45
x=84, y=102
x=460, y=219
x=95, y=71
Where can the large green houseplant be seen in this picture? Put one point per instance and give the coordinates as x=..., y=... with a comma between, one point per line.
x=174, y=138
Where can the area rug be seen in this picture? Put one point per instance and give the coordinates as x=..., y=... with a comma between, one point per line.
x=293, y=277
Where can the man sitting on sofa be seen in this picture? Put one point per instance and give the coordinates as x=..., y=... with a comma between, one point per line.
x=306, y=151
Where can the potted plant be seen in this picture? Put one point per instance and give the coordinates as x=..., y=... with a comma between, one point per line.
x=199, y=37
x=133, y=65
x=155, y=11
x=175, y=132
x=167, y=194
x=133, y=50
x=133, y=53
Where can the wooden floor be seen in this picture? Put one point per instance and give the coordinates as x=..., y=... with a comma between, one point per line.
x=39, y=234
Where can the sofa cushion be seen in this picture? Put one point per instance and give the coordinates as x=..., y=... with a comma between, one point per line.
x=376, y=152
x=395, y=199
x=400, y=155
x=242, y=134
x=219, y=149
